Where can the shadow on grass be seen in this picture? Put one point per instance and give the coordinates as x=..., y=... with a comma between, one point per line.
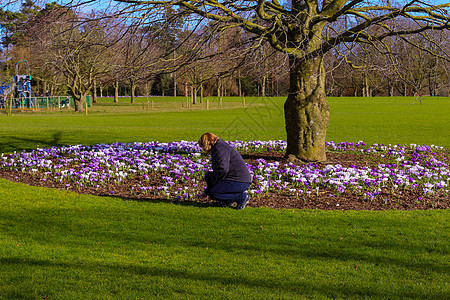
x=298, y=286
x=21, y=143
x=270, y=157
x=167, y=201
x=324, y=253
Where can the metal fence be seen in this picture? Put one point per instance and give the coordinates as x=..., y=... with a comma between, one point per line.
x=37, y=103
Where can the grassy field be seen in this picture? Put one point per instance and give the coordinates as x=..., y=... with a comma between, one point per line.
x=62, y=245
x=107, y=123
x=374, y=120
x=391, y=120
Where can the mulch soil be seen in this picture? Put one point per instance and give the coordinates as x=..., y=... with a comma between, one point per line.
x=325, y=199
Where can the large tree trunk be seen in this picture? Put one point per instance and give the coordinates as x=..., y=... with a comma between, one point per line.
x=79, y=102
x=307, y=114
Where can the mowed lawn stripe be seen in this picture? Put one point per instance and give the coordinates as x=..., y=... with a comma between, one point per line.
x=62, y=244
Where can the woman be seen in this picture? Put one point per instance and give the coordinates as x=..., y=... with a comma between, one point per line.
x=230, y=178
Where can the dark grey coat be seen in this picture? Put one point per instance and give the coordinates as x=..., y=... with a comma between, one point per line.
x=227, y=164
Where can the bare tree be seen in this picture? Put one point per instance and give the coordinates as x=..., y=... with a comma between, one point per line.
x=140, y=55
x=420, y=70
x=305, y=31
x=71, y=46
x=79, y=54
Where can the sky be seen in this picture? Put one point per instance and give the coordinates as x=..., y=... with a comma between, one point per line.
x=105, y=4
x=96, y=4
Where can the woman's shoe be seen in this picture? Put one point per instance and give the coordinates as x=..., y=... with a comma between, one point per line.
x=243, y=203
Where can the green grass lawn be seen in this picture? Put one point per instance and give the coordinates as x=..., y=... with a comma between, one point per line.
x=391, y=120
x=374, y=120
x=103, y=124
x=62, y=245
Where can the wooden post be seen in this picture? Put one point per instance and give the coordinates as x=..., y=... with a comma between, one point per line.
x=207, y=104
x=86, y=107
x=243, y=99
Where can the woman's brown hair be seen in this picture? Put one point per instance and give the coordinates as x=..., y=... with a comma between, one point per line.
x=207, y=140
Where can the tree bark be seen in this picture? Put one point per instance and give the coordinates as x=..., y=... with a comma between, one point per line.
x=194, y=95
x=240, y=84
x=79, y=102
x=116, y=91
x=78, y=106
x=133, y=90
x=174, y=84
x=94, y=100
x=174, y=77
x=263, y=86
x=307, y=114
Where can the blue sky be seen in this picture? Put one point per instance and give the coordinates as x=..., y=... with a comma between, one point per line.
x=98, y=4
x=102, y=5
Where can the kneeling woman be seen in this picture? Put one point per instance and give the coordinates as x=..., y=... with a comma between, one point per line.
x=230, y=178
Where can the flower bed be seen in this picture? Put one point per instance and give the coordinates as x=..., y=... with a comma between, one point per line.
x=356, y=176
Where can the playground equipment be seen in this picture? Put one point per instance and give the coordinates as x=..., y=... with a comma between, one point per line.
x=22, y=91
x=16, y=94
x=18, y=90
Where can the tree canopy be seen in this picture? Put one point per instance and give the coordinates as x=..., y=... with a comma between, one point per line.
x=305, y=30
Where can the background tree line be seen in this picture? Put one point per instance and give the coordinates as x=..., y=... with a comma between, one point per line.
x=71, y=51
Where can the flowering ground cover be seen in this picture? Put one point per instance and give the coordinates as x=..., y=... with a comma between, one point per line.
x=356, y=176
